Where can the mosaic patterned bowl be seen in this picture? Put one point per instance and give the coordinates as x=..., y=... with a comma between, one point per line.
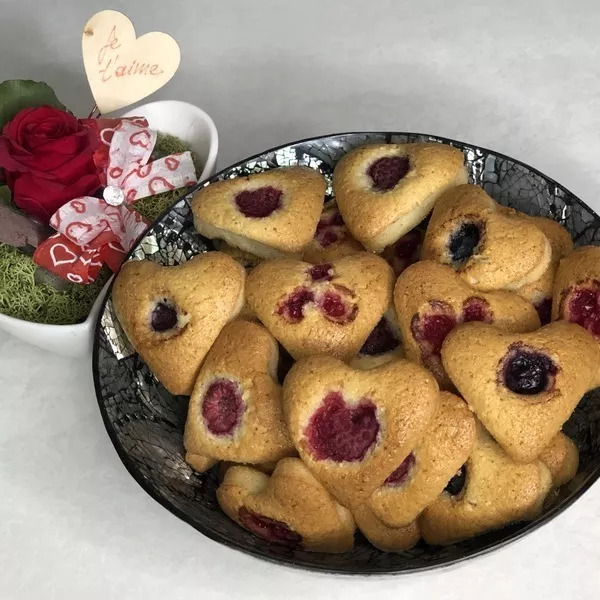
x=145, y=422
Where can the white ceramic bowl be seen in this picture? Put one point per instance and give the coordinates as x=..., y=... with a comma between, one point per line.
x=197, y=129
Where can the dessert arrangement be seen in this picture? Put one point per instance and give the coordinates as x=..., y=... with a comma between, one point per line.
x=439, y=342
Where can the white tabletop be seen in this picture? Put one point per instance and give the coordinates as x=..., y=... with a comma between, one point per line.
x=517, y=76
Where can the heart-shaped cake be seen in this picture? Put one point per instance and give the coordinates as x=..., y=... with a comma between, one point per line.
x=290, y=508
x=489, y=247
x=522, y=386
x=172, y=315
x=321, y=309
x=269, y=214
x=387, y=539
x=489, y=491
x=561, y=456
x=431, y=299
x=385, y=190
x=424, y=473
x=576, y=296
x=235, y=411
x=332, y=239
x=539, y=292
x=352, y=428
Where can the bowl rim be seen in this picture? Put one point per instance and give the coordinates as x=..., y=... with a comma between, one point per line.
x=488, y=548
x=209, y=165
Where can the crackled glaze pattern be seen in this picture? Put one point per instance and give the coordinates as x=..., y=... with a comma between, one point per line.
x=146, y=423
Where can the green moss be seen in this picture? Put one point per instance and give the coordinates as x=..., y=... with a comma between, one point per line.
x=22, y=298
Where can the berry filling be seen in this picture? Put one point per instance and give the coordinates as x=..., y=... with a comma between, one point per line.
x=381, y=340
x=163, y=317
x=404, y=252
x=527, y=371
x=464, y=241
x=330, y=228
x=583, y=308
x=386, y=172
x=222, y=407
x=457, y=483
x=400, y=475
x=339, y=432
x=476, y=309
x=322, y=272
x=269, y=529
x=337, y=305
x=431, y=329
x=259, y=203
x=292, y=308
x=544, y=310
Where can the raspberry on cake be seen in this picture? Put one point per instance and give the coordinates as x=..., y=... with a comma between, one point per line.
x=490, y=247
x=489, y=492
x=290, y=508
x=332, y=239
x=328, y=308
x=352, y=428
x=431, y=300
x=385, y=190
x=235, y=410
x=172, y=315
x=383, y=344
x=522, y=386
x=268, y=214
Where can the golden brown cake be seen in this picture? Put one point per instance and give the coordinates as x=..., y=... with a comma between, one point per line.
x=332, y=239
x=490, y=248
x=539, y=292
x=235, y=411
x=387, y=539
x=522, y=386
x=424, y=473
x=321, y=309
x=290, y=508
x=269, y=214
x=385, y=190
x=172, y=315
x=353, y=428
x=561, y=456
x=489, y=492
x=431, y=299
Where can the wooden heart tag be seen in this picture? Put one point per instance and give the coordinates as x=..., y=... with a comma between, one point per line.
x=122, y=69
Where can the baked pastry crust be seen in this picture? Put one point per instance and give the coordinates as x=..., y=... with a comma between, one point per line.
x=208, y=290
x=378, y=218
x=285, y=231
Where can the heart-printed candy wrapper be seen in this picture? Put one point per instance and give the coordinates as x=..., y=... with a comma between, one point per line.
x=431, y=299
x=120, y=68
x=490, y=248
x=352, y=428
x=172, y=315
x=235, y=411
x=522, y=386
x=290, y=508
x=321, y=309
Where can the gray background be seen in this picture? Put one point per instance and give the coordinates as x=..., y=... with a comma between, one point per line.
x=517, y=76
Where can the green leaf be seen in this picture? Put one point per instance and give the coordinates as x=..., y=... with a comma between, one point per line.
x=17, y=94
x=5, y=196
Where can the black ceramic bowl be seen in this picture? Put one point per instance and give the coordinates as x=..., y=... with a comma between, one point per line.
x=145, y=422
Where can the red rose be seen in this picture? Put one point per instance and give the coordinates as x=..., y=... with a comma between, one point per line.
x=46, y=154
